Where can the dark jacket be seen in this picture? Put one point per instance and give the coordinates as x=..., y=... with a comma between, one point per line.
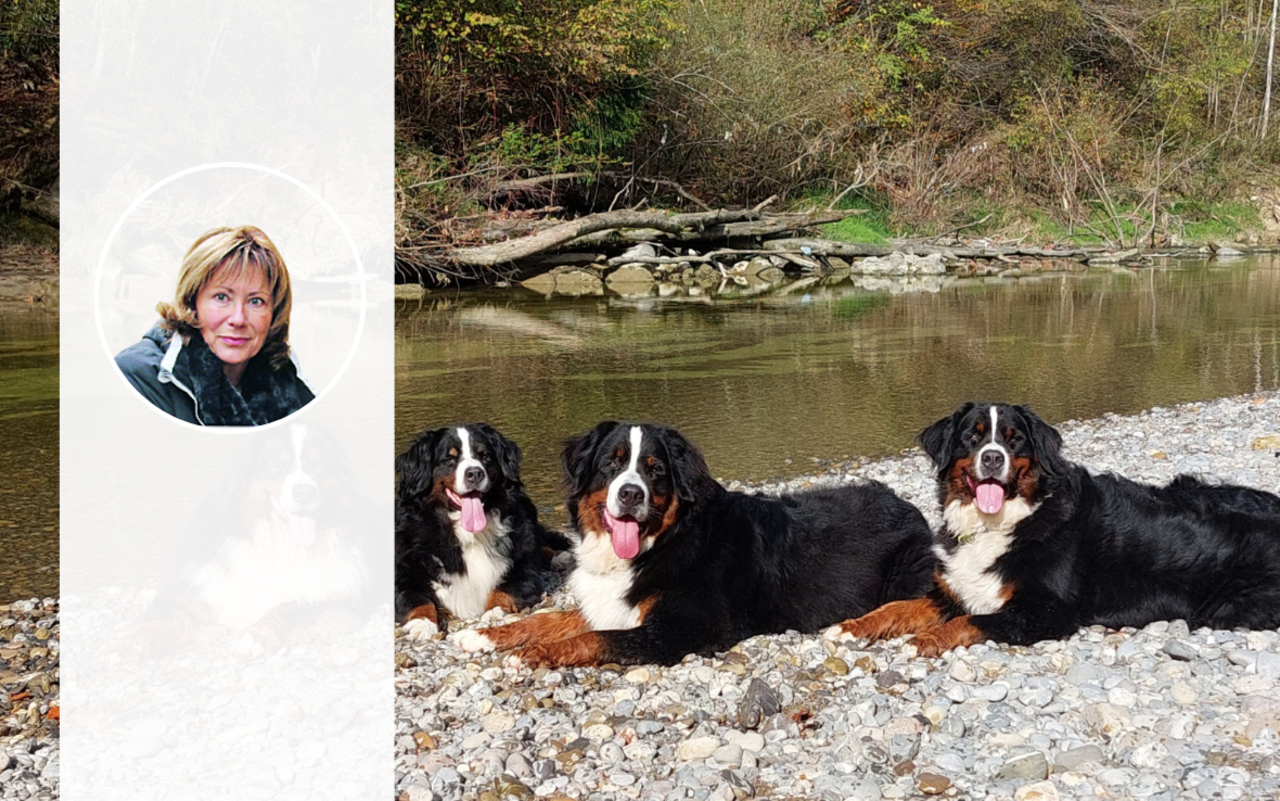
x=186, y=380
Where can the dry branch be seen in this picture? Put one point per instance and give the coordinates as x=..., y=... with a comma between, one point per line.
x=696, y=225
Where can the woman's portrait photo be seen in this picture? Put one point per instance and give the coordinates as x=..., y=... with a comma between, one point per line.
x=228, y=296
x=219, y=355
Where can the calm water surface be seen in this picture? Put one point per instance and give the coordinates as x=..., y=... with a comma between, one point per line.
x=769, y=384
x=768, y=381
x=29, y=454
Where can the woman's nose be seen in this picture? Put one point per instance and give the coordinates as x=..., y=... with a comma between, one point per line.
x=237, y=314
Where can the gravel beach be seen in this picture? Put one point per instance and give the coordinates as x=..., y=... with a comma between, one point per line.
x=1160, y=713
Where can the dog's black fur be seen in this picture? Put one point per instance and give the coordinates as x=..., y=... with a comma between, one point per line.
x=428, y=548
x=714, y=566
x=1099, y=549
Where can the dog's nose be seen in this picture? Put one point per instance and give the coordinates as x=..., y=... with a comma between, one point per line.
x=304, y=494
x=474, y=476
x=630, y=496
x=993, y=461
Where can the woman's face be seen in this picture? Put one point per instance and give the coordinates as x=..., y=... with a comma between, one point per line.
x=235, y=316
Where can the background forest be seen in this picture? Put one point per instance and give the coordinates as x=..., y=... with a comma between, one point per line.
x=1121, y=121
x=28, y=121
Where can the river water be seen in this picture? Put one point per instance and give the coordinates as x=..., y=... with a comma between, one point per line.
x=29, y=452
x=770, y=383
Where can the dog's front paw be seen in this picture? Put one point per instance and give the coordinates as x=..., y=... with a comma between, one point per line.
x=245, y=644
x=421, y=629
x=837, y=633
x=927, y=645
x=472, y=640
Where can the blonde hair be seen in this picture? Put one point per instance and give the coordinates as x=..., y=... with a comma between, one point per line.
x=237, y=251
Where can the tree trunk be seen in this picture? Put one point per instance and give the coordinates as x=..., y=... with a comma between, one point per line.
x=1271, y=55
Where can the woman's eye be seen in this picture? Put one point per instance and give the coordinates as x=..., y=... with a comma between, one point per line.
x=221, y=297
x=258, y=301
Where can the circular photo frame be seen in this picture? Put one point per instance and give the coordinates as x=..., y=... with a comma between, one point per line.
x=140, y=263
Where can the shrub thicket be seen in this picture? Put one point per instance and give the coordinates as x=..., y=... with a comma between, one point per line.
x=1070, y=108
x=28, y=106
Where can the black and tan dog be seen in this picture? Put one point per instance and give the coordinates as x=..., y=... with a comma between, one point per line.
x=1033, y=547
x=671, y=563
x=280, y=554
x=467, y=535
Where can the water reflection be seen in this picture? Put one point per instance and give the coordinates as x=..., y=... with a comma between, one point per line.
x=29, y=455
x=768, y=380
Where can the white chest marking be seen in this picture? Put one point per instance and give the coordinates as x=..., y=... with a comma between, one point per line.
x=600, y=583
x=967, y=569
x=252, y=575
x=467, y=594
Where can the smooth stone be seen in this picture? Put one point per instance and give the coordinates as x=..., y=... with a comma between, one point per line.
x=728, y=755
x=748, y=741
x=1179, y=650
x=1040, y=791
x=997, y=691
x=697, y=748
x=1075, y=757
x=1024, y=766
x=933, y=783
x=498, y=722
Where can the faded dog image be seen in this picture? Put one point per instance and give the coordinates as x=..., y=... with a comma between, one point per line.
x=276, y=556
x=219, y=355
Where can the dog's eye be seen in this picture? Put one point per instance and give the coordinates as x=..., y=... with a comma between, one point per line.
x=975, y=437
x=657, y=468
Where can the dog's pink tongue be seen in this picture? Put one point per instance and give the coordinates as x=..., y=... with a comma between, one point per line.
x=302, y=530
x=625, y=535
x=473, y=518
x=989, y=495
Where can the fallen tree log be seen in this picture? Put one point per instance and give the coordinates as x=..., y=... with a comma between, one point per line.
x=719, y=224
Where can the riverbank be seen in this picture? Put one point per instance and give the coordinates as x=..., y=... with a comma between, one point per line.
x=1159, y=713
x=29, y=699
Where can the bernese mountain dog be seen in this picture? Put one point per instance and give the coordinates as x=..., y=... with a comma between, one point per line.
x=278, y=555
x=670, y=563
x=1033, y=547
x=467, y=535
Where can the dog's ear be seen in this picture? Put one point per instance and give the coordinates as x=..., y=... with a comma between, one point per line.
x=1046, y=442
x=689, y=472
x=578, y=454
x=937, y=439
x=415, y=466
x=507, y=455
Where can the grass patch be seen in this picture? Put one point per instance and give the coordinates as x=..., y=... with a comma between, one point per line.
x=1203, y=222
x=871, y=227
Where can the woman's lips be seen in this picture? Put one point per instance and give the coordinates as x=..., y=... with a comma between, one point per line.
x=234, y=341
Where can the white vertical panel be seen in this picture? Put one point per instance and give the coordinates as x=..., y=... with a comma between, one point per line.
x=178, y=117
